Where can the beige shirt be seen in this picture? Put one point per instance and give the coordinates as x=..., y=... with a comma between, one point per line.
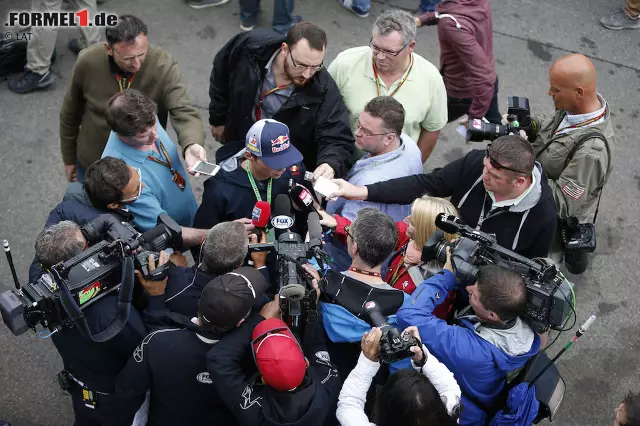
x=422, y=95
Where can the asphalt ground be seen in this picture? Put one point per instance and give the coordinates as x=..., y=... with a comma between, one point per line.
x=528, y=36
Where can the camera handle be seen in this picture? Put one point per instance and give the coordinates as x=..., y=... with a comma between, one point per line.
x=125, y=294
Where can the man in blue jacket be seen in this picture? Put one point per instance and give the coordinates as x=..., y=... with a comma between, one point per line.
x=484, y=348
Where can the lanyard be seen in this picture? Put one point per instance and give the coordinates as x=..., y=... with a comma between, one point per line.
x=255, y=188
x=176, y=176
x=401, y=268
x=264, y=95
x=363, y=272
x=375, y=74
x=481, y=218
x=581, y=124
x=121, y=85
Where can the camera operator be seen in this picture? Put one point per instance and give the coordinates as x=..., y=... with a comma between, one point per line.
x=500, y=190
x=576, y=161
x=484, y=348
x=427, y=392
x=170, y=362
x=109, y=185
x=297, y=385
x=370, y=239
x=223, y=250
x=90, y=368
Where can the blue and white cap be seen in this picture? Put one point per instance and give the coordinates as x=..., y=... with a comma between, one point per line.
x=269, y=140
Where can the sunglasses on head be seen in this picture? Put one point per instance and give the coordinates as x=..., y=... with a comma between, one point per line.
x=496, y=164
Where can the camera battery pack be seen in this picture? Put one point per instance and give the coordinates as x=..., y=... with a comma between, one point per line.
x=89, y=398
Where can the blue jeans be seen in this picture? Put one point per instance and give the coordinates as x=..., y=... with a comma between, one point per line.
x=282, y=14
x=427, y=6
x=363, y=6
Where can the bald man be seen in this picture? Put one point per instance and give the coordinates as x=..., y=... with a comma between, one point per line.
x=577, y=172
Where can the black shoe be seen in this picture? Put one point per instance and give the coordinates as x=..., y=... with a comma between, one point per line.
x=29, y=81
x=75, y=45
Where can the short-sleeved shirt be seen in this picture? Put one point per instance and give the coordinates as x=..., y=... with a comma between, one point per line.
x=160, y=194
x=422, y=95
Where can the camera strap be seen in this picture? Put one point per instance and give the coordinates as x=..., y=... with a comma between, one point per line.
x=124, y=305
x=581, y=140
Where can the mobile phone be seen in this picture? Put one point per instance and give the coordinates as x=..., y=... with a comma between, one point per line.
x=205, y=168
x=324, y=186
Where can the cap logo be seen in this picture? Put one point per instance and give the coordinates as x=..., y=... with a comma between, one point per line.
x=279, y=144
x=253, y=145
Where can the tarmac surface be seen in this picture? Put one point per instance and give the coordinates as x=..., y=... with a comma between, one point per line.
x=528, y=36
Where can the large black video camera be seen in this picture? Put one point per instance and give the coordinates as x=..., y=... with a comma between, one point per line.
x=394, y=346
x=58, y=297
x=519, y=116
x=548, y=305
x=291, y=253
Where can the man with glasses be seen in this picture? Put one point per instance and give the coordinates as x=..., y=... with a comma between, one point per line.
x=138, y=138
x=260, y=74
x=501, y=190
x=388, y=66
x=389, y=154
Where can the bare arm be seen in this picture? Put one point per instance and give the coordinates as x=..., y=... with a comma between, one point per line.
x=193, y=237
x=427, y=142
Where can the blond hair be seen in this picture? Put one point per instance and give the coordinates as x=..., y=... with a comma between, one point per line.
x=423, y=216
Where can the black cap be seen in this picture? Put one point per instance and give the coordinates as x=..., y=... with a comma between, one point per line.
x=228, y=298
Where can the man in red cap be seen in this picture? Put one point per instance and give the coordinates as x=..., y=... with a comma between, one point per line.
x=298, y=385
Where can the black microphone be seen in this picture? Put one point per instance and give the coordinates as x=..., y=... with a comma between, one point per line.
x=302, y=199
x=315, y=230
x=281, y=218
x=7, y=251
x=448, y=223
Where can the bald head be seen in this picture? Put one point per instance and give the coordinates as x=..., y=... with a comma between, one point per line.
x=572, y=81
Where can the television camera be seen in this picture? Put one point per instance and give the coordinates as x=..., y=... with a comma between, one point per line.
x=548, y=302
x=518, y=115
x=59, y=296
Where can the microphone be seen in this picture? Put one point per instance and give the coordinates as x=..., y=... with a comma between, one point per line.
x=448, y=223
x=301, y=198
x=7, y=251
x=315, y=230
x=261, y=214
x=281, y=218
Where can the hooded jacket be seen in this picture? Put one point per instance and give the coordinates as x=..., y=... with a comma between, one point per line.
x=479, y=357
x=526, y=228
x=465, y=31
x=315, y=114
x=253, y=403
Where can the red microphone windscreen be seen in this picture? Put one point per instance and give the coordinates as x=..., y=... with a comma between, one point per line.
x=261, y=214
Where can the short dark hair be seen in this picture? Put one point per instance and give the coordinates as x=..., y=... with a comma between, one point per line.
x=631, y=404
x=410, y=399
x=126, y=30
x=502, y=291
x=514, y=152
x=389, y=110
x=130, y=112
x=104, y=181
x=376, y=235
x=315, y=35
x=59, y=243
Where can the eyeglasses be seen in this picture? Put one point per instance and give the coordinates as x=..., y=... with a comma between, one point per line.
x=128, y=200
x=496, y=165
x=314, y=68
x=368, y=132
x=346, y=230
x=377, y=50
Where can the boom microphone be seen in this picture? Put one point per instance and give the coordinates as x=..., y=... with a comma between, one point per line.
x=261, y=214
x=315, y=230
x=448, y=223
x=302, y=198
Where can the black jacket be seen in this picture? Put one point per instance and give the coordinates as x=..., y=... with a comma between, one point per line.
x=527, y=228
x=170, y=363
x=312, y=404
x=317, y=118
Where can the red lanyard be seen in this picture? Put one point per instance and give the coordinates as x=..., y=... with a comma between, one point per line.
x=400, y=267
x=177, y=177
x=369, y=273
x=265, y=94
x=128, y=80
x=375, y=74
x=582, y=124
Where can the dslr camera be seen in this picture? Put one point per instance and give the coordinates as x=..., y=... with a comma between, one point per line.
x=548, y=304
x=394, y=346
x=578, y=239
x=59, y=296
x=518, y=115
